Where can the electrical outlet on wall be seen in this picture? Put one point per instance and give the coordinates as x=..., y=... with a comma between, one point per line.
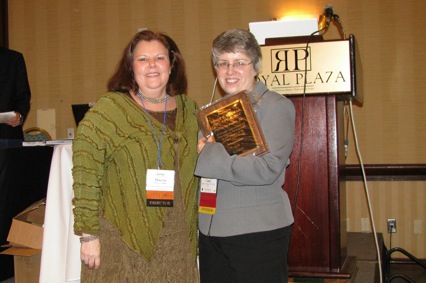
x=365, y=225
x=70, y=133
x=391, y=225
x=418, y=226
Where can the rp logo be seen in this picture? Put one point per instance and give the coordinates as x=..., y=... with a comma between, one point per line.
x=290, y=60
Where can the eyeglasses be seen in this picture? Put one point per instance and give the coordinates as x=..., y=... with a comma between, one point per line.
x=237, y=65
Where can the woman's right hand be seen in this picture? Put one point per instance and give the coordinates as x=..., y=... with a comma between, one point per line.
x=203, y=141
x=90, y=253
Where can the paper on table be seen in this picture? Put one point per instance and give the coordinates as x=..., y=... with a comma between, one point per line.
x=62, y=141
x=4, y=116
x=33, y=143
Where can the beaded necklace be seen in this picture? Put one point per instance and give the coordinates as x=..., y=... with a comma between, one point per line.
x=153, y=100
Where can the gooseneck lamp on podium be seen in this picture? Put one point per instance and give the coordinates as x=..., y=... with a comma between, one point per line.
x=328, y=17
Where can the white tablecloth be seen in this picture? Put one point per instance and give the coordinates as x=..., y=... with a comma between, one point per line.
x=60, y=259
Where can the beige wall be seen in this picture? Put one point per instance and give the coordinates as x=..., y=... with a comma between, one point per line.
x=72, y=47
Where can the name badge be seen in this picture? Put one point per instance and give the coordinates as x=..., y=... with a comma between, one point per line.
x=160, y=186
x=208, y=194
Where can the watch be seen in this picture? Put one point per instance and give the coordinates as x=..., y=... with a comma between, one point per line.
x=21, y=118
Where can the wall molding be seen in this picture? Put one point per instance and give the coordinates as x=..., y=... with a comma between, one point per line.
x=384, y=172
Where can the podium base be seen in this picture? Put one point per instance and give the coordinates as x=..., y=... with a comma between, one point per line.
x=347, y=274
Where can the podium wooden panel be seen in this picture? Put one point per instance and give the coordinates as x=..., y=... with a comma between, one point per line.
x=317, y=194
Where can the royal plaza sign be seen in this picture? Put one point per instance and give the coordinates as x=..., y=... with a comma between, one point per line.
x=324, y=67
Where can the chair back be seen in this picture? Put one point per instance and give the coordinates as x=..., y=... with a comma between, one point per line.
x=36, y=134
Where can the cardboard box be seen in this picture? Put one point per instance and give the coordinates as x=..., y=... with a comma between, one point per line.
x=27, y=227
x=27, y=268
x=25, y=241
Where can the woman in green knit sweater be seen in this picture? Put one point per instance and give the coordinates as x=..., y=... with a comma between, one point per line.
x=134, y=156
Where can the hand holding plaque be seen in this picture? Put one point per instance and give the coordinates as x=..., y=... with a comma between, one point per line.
x=234, y=124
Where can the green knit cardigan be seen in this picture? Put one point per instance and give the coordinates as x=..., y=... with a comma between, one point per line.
x=113, y=148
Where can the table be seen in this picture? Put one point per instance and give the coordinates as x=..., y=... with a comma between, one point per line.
x=60, y=259
x=24, y=174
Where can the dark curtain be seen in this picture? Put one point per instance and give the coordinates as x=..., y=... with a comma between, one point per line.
x=4, y=36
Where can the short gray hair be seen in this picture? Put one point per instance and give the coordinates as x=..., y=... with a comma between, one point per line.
x=237, y=40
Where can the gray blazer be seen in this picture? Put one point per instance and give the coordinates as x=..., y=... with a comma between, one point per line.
x=250, y=197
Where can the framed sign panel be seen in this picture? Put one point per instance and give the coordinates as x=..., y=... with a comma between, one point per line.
x=322, y=67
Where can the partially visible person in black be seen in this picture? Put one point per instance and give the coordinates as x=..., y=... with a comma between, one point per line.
x=15, y=93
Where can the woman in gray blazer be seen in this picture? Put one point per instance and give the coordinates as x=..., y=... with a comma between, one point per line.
x=244, y=237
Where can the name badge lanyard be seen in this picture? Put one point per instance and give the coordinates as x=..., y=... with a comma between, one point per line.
x=163, y=127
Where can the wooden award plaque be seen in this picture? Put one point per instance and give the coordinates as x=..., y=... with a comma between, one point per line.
x=234, y=124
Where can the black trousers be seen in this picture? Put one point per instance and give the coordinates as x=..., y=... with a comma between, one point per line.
x=256, y=257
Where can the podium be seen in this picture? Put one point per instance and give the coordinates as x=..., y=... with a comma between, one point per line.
x=315, y=187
